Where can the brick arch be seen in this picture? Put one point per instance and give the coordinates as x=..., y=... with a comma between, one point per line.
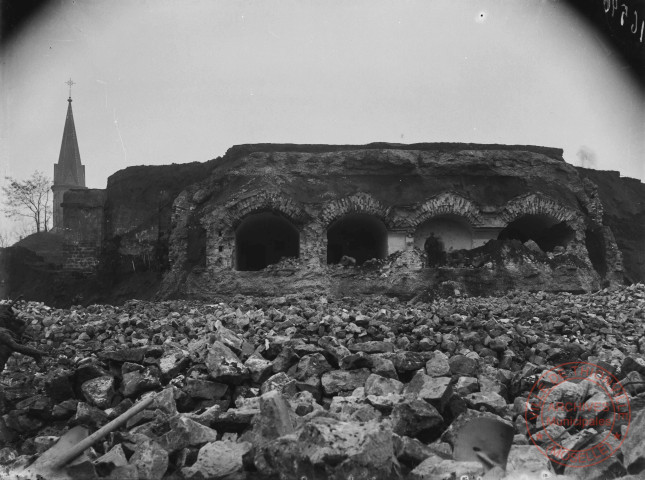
x=357, y=203
x=539, y=204
x=446, y=204
x=266, y=201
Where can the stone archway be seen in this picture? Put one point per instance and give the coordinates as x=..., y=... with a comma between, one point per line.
x=264, y=238
x=545, y=230
x=357, y=235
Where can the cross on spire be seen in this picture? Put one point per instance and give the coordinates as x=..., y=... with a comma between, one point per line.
x=70, y=83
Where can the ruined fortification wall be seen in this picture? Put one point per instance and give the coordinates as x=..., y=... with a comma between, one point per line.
x=312, y=186
x=623, y=201
x=181, y=220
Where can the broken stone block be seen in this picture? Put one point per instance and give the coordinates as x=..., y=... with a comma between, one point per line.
x=356, y=360
x=82, y=467
x=234, y=419
x=343, y=380
x=205, y=389
x=172, y=364
x=335, y=450
x=463, y=366
x=417, y=419
x=164, y=400
x=114, y=458
x=633, y=364
x=406, y=361
x=89, y=415
x=379, y=386
x=436, y=467
x=384, y=367
x=150, y=459
x=352, y=408
x=124, y=472
x=435, y=390
x=633, y=446
x=99, y=391
x=275, y=418
x=229, y=338
x=437, y=365
x=609, y=468
x=128, y=367
x=633, y=383
x=207, y=416
x=224, y=366
x=38, y=406
x=285, y=360
x=411, y=452
x=87, y=371
x=64, y=409
x=304, y=403
x=372, y=347
x=526, y=459
x=184, y=432
x=450, y=434
x=336, y=352
x=491, y=401
x=135, y=383
x=259, y=367
x=133, y=355
x=384, y=403
x=280, y=382
x=217, y=460
x=309, y=370
x=577, y=441
x=466, y=385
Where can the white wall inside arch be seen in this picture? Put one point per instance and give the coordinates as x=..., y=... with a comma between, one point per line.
x=454, y=232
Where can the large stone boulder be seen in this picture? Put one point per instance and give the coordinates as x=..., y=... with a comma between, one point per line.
x=335, y=450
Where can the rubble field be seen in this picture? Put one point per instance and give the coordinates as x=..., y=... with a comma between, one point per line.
x=308, y=387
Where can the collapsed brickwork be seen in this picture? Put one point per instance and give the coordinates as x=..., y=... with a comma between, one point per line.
x=227, y=225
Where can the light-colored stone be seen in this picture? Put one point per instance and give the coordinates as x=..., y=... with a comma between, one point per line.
x=217, y=460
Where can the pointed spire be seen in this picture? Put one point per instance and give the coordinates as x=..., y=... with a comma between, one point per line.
x=69, y=170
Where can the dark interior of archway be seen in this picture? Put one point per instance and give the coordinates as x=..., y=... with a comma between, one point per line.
x=595, y=243
x=542, y=229
x=263, y=239
x=356, y=235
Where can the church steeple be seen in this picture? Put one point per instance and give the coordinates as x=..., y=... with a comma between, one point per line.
x=68, y=172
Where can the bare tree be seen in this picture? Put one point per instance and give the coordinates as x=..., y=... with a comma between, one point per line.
x=29, y=198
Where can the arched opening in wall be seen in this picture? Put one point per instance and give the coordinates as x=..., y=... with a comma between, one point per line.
x=196, y=246
x=544, y=230
x=443, y=234
x=595, y=243
x=263, y=239
x=356, y=235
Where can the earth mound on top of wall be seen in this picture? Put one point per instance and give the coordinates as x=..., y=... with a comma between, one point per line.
x=393, y=173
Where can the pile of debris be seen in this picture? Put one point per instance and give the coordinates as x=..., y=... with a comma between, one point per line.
x=308, y=387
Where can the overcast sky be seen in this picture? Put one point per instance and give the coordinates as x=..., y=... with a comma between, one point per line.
x=168, y=81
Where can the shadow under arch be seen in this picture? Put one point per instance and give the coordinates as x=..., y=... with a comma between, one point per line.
x=358, y=235
x=264, y=238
